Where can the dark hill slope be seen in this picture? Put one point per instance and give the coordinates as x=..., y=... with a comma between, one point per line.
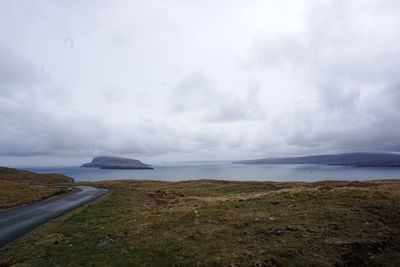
x=348, y=159
x=9, y=174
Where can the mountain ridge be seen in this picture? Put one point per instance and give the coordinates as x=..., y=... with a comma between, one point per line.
x=360, y=159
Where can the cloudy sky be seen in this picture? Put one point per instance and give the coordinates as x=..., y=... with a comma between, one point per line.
x=172, y=80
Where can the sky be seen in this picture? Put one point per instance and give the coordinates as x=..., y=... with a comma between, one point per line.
x=173, y=80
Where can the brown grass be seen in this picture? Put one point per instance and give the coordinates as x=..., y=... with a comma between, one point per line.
x=222, y=223
x=15, y=175
x=19, y=187
x=14, y=194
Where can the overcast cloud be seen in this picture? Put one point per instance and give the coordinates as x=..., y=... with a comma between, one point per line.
x=193, y=80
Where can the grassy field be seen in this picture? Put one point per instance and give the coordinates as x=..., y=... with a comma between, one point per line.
x=15, y=175
x=220, y=223
x=14, y=194
x=21, y=187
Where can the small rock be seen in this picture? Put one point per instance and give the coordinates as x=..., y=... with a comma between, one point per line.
x=277, y=232
x=105, y=242
x=291, y=229
x=335, y=226
x=271, y=218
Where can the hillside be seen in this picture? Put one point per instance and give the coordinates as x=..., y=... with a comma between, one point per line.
x=348, y=159
x=9, y=174
x=18, y=187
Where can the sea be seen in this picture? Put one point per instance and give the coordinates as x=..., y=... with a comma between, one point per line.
x=228, y=171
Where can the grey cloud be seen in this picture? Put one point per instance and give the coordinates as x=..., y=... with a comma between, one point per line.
x=367, y=125
x=192, y=91
x=339, y=98
x=281, y=50
x=197, y=93
x=111, y=93
x=379, y=135
x=351, y=69
x=16, y=73
x=325, y=81
x=393, y=94
x=31, y=125
x=35, y=132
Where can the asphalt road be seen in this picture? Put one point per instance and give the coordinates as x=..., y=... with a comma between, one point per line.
x=18, y=221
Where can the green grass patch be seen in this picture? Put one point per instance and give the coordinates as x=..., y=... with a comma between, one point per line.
x=222, y=223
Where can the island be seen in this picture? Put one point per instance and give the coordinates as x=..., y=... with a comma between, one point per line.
x=346, y=159
x=104, y=162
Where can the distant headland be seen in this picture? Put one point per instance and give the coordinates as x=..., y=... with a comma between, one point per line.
x=116, y=163
x=347, y=159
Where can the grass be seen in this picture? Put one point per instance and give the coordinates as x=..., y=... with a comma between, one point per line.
x=221, y=223
x=19, y=187
x=15, y=175
x=14, y=194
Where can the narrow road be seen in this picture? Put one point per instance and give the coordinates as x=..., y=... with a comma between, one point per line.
x=18, y=221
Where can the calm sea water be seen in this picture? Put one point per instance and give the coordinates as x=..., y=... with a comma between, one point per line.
x=228, y=171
